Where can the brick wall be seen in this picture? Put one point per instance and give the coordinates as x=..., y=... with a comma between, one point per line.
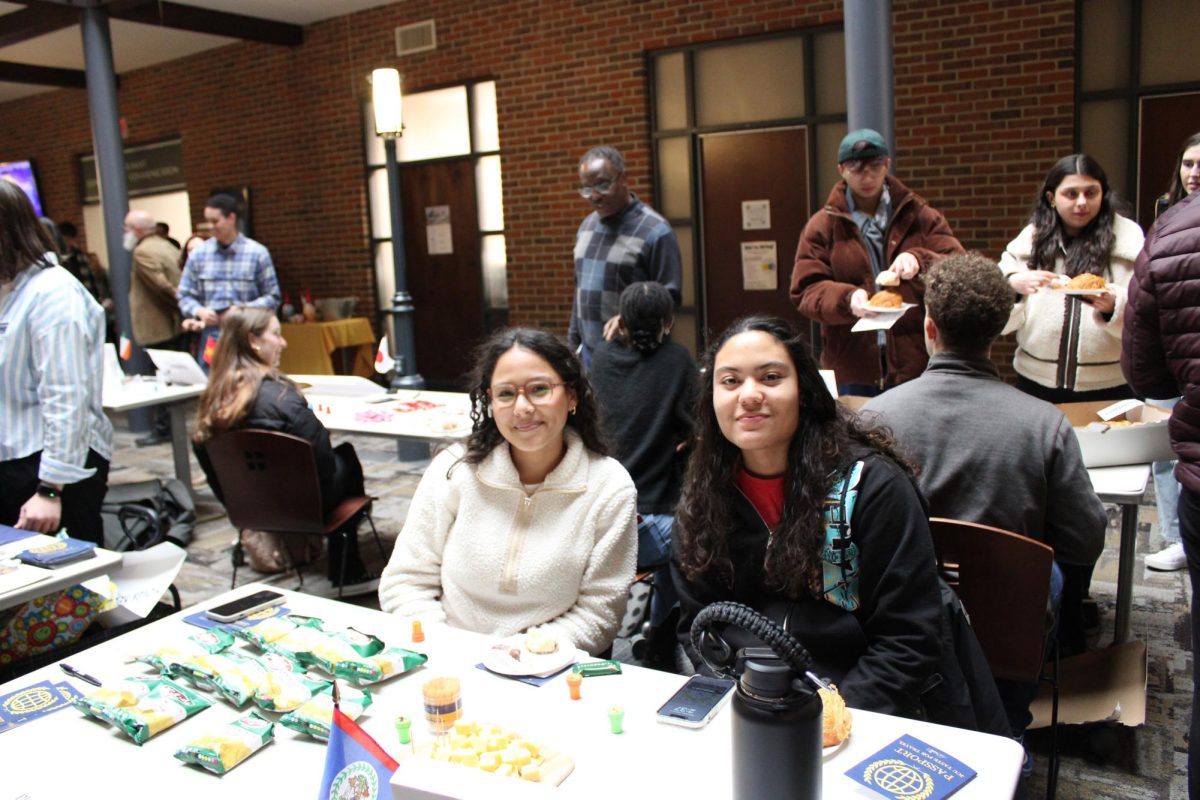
x=983, y=106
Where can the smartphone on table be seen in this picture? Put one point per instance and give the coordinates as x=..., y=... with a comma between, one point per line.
x=696, y=702
x=244, y=606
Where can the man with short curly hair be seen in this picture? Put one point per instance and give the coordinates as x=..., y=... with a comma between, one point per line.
x=987, y=452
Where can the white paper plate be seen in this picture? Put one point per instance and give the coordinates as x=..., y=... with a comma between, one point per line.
x=1078, y=292
x=834, y=749
x=500, y=660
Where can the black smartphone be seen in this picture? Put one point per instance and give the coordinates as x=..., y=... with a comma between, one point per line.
x=696, y=702
x=244, y=606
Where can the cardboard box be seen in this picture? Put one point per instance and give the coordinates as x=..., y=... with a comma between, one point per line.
x=1104, y=445
x=1105, y=685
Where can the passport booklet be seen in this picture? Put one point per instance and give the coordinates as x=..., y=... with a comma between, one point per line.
x=57, y=552
x=909, y=768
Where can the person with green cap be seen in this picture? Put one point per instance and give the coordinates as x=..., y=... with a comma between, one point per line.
x=873, y=232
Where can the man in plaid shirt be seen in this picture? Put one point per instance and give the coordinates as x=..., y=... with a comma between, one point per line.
x=621, y=242
x=230, y=269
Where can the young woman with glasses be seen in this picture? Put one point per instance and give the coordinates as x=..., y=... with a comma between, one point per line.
x=529, y=524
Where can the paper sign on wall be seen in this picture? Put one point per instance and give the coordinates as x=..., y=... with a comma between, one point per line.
x=760, y=266
x=437, y=230
x=756, y=215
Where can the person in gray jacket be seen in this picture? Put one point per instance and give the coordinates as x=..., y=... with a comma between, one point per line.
x=987, y=452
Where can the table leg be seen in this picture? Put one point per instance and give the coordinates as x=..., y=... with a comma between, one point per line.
x=1129, y=514
x=179, y=446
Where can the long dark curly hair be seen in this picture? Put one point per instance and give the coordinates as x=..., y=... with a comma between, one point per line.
x=1177, y=190
x=484, y=433
x=1087, y=252
x=827, y=438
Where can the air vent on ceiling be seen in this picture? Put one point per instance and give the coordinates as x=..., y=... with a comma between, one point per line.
x=416, y=38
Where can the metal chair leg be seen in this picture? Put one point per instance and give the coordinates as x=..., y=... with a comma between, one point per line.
x=236, y=556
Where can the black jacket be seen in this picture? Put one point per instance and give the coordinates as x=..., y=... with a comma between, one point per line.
x=881, y=655
x=280, y=407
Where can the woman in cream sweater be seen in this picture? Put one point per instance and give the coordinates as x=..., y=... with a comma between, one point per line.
x=530, y=525
x=1069, y=346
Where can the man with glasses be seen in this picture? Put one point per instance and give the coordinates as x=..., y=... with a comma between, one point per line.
x=621, y=242
x=873, y=231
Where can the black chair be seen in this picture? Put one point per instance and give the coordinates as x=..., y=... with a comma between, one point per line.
x=1003, y=580
x=269, y=483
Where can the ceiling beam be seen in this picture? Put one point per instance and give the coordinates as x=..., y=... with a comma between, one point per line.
x=12, y=72
x=46, y=16
x=201, y=20
x=39, y=20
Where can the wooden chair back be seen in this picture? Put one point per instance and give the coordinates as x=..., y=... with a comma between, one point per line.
x=1003, y=579
x=269, y=481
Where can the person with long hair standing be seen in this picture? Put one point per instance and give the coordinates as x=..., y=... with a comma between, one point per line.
x=55, y=441
x=529, y=525
x=1069, y=345
x=771, y=446
x=1185, y=181
x=247, y=390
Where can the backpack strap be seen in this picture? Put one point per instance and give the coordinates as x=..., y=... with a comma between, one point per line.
x=840, y=559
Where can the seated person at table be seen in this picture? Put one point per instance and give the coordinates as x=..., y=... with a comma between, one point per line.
x=529, y=524
x=247, y=390
x=988, y=452
x=771, y=444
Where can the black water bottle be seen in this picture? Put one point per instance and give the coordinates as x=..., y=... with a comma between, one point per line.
x=777, y=733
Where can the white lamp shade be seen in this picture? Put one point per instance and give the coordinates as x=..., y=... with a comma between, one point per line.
x=385, y=100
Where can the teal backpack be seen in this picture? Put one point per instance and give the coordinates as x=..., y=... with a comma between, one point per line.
x=839, y=557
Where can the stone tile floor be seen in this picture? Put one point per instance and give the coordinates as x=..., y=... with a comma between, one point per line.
x=1098, y=762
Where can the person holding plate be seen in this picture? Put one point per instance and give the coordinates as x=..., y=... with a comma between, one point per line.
x=873, y=231
x=1069, y=340
x=528, y=524
x=773, y=450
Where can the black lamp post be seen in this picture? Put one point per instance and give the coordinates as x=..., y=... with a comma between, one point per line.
x=385, y=100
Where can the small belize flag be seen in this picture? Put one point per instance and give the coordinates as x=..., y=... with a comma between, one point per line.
x=383, y=360
x=355, y=764
x=210, y=349
x=126, y=348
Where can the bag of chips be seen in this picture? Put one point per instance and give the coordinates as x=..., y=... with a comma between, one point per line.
x=236, y=677
x=229, y=745
x=165, y=704
x=316, y=715
x=122, y=694
x=272, y=630
x=282, y=691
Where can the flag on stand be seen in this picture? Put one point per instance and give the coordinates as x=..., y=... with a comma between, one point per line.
x=383, y=359
x=355, y=764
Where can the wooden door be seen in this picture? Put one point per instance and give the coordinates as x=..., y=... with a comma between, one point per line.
x=743, y=168
x=1165, y=122
x=444, y=272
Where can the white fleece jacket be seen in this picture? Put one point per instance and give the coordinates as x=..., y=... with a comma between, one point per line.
x=478, y=553
x=1044, y=318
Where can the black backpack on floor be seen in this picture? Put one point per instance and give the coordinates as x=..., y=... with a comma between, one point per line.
x=140, y=515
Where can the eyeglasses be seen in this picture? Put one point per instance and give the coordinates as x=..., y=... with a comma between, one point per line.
x=603, y=187
x=857, y=165
x=537, y=392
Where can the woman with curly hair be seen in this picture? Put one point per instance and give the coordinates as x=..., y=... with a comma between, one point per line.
x=530, y=524
x=1069, y=345
x=246, y=390
x=754, y=522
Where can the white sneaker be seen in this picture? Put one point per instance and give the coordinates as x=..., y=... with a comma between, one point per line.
x=1169, y=559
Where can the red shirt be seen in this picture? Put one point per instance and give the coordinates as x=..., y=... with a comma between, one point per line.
x=765, y=494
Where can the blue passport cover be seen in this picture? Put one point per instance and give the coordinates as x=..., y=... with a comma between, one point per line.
x=909, y=768
x=63, y=550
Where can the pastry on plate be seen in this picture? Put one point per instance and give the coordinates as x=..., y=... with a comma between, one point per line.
x=885, y=299
x=836, y=717
x=540, y=643
x=1085, y=281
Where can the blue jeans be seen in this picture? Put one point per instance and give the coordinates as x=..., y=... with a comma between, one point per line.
x=654, y=551
x=1166, y=490
x=1189, y=528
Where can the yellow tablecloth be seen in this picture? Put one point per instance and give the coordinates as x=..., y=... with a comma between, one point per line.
x=312, y=348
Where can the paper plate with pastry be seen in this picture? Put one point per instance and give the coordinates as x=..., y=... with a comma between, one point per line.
x=1085, y=284
x=533, y=654
x=835, y=721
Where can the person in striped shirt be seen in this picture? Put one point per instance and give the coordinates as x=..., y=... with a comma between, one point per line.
x=55, y=441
